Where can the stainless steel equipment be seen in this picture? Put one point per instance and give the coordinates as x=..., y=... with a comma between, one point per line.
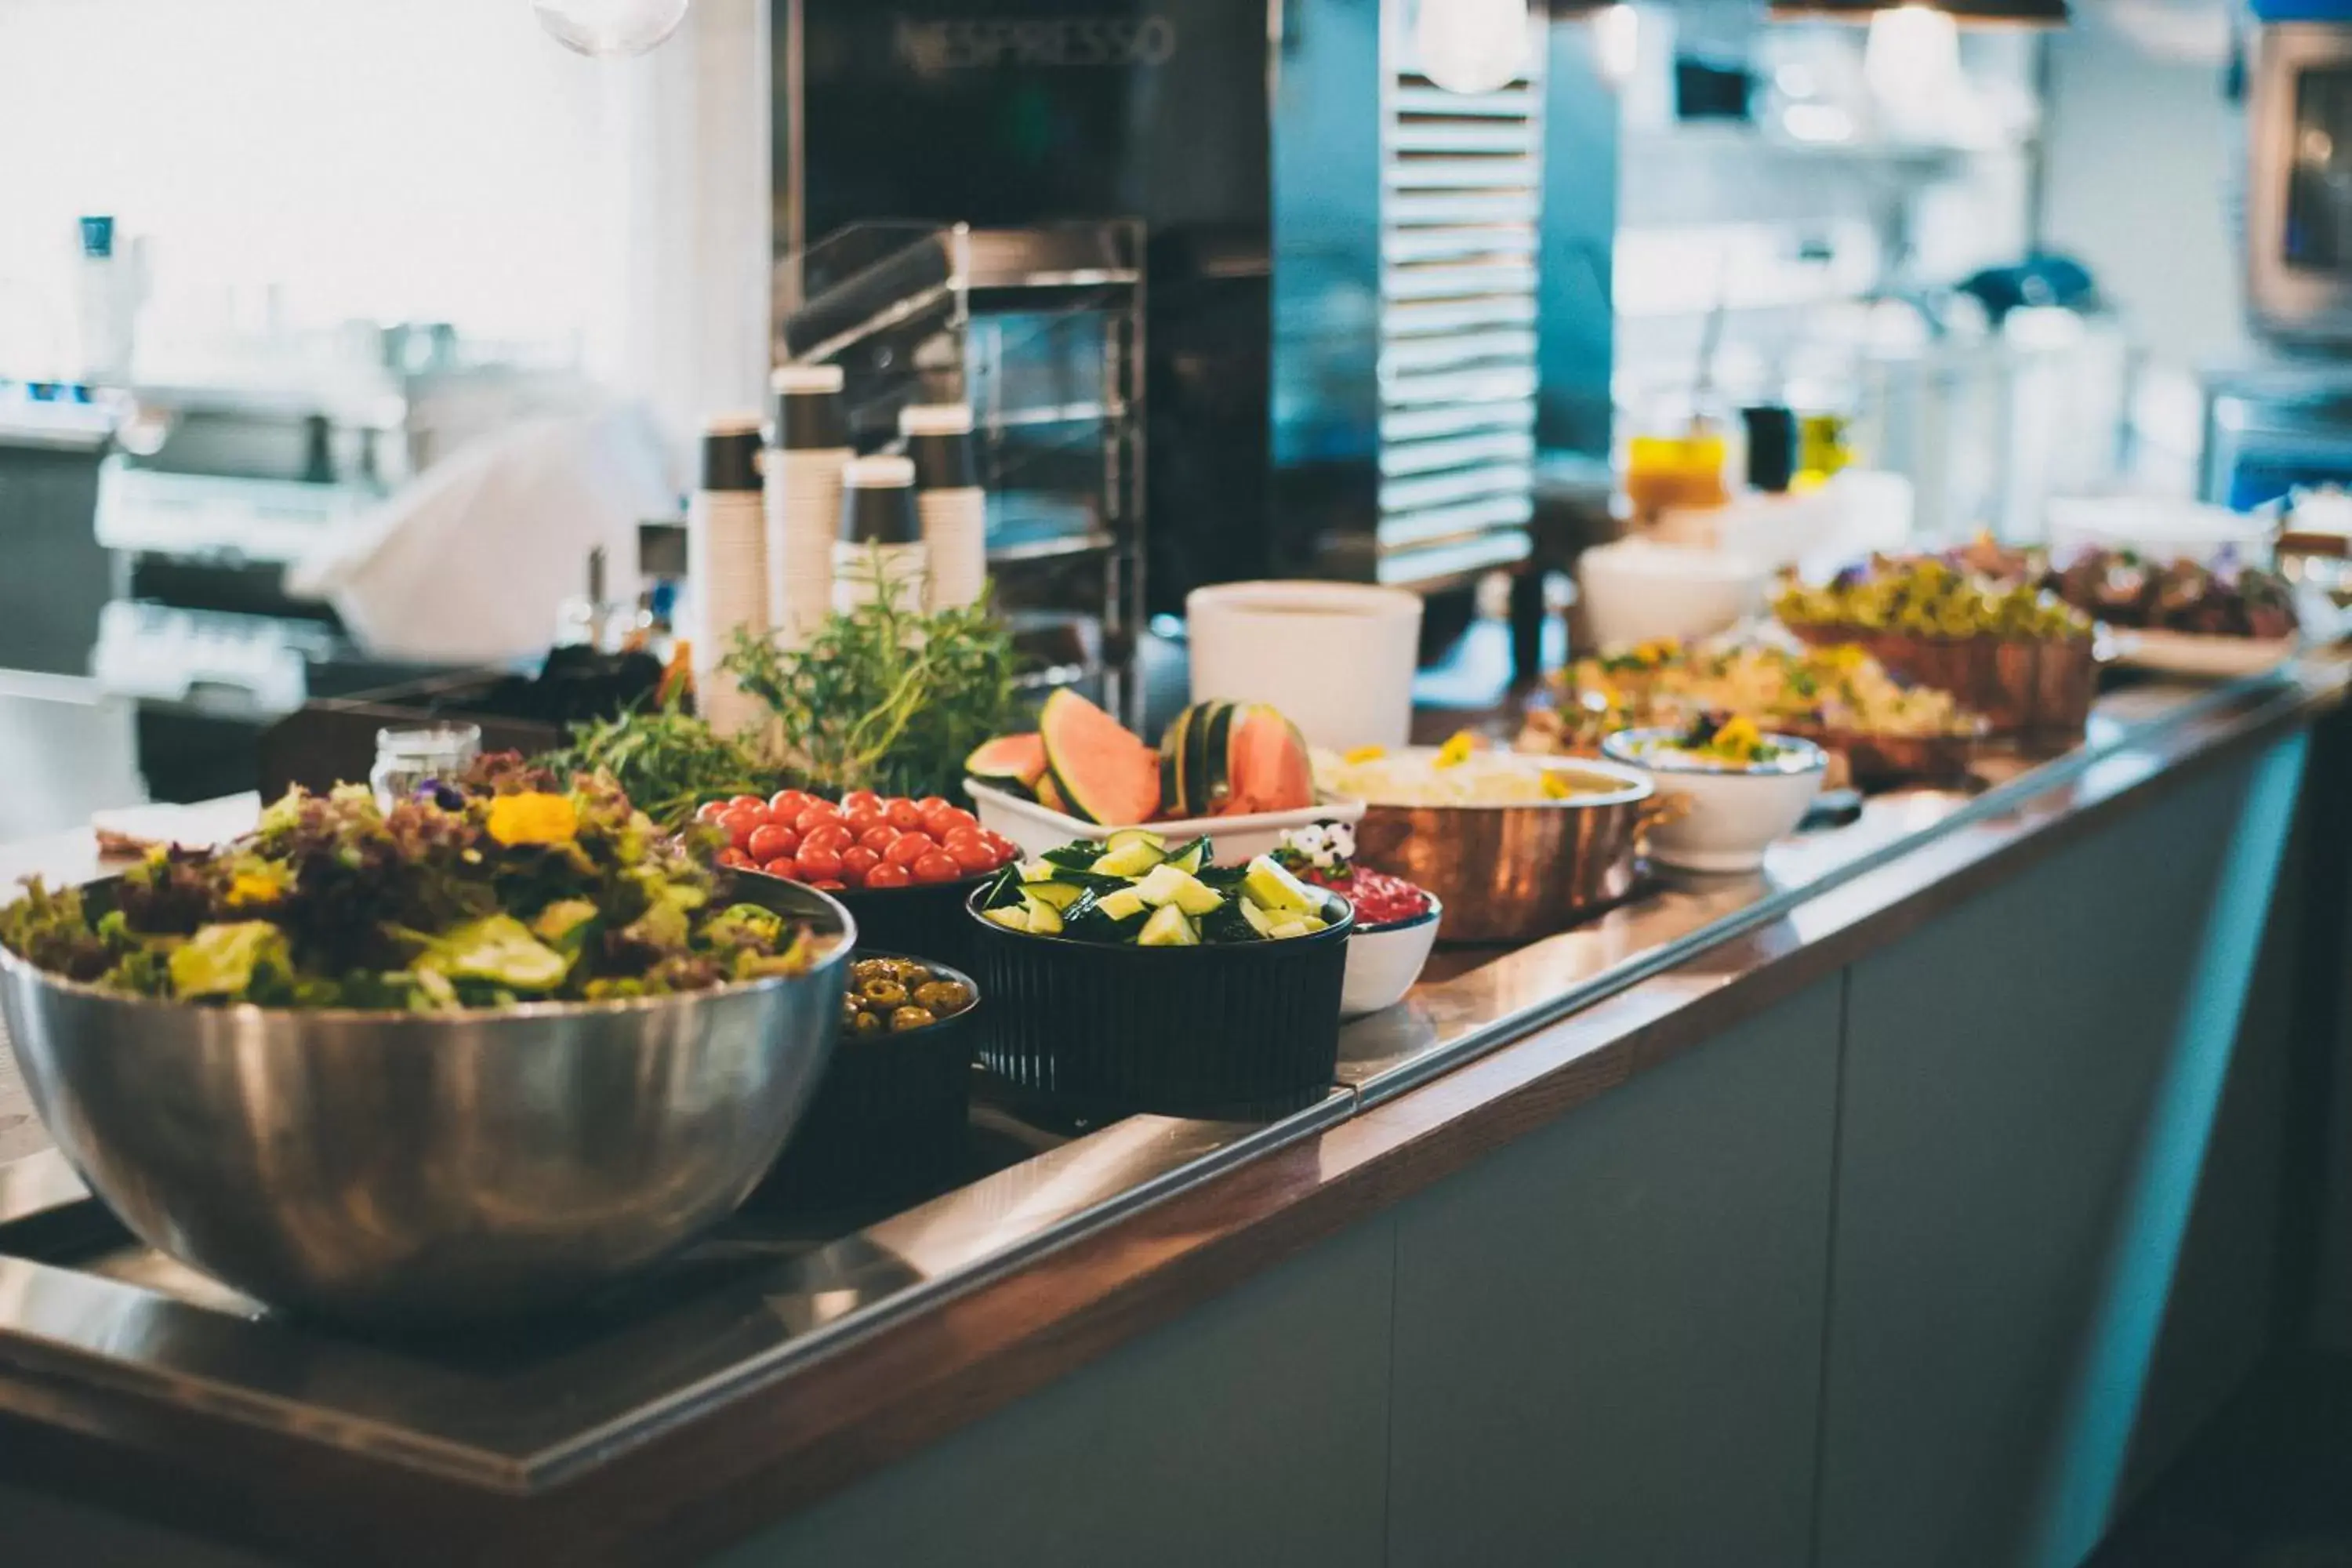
x=1513, y=873
x=1342, y=327
x=402, y=1168
x=2298, y=198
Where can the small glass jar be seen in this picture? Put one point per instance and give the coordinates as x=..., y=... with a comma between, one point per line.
x=406, y=760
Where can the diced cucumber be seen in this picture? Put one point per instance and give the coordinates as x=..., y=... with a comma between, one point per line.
x=1012, y=917
x=1045, y=920
x=1167, y=885
x=1132, y=859
x=1127, y=836
x=1277, y=890
x=1168, y=927
x=1061, y=895
x=1289, y=929
x=1044, y=870
x=1193, y=857
x=1260, y=922
x=1229, y=922
x=1123, y=905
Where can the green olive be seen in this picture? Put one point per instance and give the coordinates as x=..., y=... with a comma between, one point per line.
x=883, y=994
x=906, y=1020
x=944, y=997
x=866, y=1024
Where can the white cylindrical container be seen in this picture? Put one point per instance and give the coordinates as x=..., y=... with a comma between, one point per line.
x=948, y=500
x=1338, y=659
x=809, y=445
x=726, y=562
x=880, y=546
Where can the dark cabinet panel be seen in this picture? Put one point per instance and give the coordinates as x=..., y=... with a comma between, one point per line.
x=1608, y=1335
x=1252, y=1432
x=2030, y=1087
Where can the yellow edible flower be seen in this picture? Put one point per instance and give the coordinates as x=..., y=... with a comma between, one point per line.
x=1739, y=739
x=1657, y=650
x=1557, y=787
x=1457, y=751
x=248, y=888
x=534, y=818
x=1362, y=755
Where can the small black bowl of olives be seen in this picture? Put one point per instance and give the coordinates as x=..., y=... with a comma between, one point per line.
x=891, y=1114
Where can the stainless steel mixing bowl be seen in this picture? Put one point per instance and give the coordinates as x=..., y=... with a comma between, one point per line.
x=391, y=1168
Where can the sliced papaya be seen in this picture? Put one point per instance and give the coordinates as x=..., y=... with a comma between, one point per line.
x=1102, y=772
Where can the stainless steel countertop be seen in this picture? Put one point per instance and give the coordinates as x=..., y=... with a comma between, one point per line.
x=518, y=1418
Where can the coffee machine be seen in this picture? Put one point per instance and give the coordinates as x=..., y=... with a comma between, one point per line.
x=1368, y=283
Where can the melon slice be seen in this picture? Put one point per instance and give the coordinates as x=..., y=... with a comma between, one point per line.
x=1014, y=762
x=1102, y=772
x=1267, y=765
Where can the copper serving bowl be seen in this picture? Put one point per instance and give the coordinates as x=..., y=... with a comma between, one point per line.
x=2022, y=687
x=1513, y=873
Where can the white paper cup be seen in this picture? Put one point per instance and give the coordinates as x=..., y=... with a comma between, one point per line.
x=1338, y=659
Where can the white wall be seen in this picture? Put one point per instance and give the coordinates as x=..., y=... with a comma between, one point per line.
x=2142, y=155
x=434, y=160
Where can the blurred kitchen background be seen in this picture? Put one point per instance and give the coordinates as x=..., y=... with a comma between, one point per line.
x=335, y=334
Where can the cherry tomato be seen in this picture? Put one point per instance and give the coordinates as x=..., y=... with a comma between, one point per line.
x=829, y=887
x=904, y=814
x=859, y=800
x=816, y=815
x=772, y=843
x=946, y=820
x=818, y=863
x=1005, y=848
x=886, y=876
x=864, y=820
x=782, y=865
x=710, y=811
x=787, y=804
x=737, y=858
x=909, y=848
x=939, y=865
x=740, y=823
x=973, y=855
x=931, y=803
x=830, y=836
x=879, y=838
x=753, y=801
x=857, y=861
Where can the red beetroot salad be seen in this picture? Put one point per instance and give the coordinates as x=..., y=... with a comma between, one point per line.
x=1323, y=855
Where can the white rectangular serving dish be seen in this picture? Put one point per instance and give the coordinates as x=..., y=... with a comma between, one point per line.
x=2198, y=658
x=1238, y=838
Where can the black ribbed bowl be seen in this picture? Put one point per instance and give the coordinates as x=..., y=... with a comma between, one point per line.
x=891, y=1111
x=920, y=922
x=1242, y=1031
x=925, y=922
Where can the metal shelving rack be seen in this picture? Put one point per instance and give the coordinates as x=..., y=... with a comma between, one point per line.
x=1041, y=330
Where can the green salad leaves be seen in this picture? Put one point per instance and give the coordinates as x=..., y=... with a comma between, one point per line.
x=502, y=889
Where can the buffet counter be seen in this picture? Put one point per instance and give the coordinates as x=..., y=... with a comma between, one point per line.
x=1768, y=1218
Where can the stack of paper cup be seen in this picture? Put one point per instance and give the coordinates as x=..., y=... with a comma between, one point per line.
x=948, y=497
x=727, y=562
x=880, y=553
x=809, y=443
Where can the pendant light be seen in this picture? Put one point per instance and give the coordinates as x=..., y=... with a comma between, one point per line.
x=607, y=29
x=1472, y=45
x=1967, y=13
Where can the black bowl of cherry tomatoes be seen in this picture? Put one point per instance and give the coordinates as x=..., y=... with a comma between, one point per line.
x=903, y=868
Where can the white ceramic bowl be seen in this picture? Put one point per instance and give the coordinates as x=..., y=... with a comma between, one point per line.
x=1637, y=590
x=1725, y=818
x=1037, y=829
x=1338, y=659
x=1384, y=961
